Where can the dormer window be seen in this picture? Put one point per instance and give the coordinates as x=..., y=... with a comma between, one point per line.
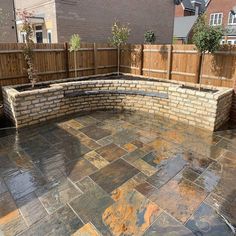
x=216, y=19
x=232, y=19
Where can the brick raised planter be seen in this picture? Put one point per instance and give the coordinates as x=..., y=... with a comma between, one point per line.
x=202, y=109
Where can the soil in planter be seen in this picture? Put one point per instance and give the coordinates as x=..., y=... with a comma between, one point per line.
x=5, y=122
x=201, y=89
x=29, y=87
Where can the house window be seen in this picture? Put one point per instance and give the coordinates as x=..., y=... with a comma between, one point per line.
x=23, y=37
x=49, y=33
x=39, y=33
x=216, y=19
x=232, y=19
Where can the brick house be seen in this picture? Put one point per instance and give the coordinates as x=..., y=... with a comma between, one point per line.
x=186, y=15
x=223, y=13
x=7, y=25
x=56, y=20
x=189, y=8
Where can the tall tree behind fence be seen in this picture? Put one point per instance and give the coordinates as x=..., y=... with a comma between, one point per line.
x=171, y=62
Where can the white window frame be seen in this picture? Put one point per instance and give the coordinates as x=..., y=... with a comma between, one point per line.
x=233, y=19
x=49, y=32
x=38, y=31
x=216, y=17
x=22, y=33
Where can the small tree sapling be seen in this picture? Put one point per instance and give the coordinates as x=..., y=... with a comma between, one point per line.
x=120, y=35
x=150, y=38
x=206, y=38
x=75, y=42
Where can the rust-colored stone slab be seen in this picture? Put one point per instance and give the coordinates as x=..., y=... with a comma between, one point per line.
x=111, y=152
x=179, y=197
x=87, y=230
x=129, y=147
x=114, y=175
x=130, y=215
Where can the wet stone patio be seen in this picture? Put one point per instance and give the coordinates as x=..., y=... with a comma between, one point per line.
x=109, y=173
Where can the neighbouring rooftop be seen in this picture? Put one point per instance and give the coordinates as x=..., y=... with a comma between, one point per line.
x=107, y=173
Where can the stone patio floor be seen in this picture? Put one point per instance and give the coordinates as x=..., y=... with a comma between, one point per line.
x=110, y=173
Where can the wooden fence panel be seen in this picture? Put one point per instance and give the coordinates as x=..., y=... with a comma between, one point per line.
x=131, y=59
x=176, y=62
x=184, y=63
x=155, y=61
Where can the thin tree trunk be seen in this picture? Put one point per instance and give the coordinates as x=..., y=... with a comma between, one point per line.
x=75, y=64
x=200, y=74
x=118, y=61
x=150, y=58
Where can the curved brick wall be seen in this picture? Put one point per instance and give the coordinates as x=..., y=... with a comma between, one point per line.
x=197, y=108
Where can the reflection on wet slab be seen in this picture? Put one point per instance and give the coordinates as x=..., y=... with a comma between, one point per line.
x=109, y=173
x=220, y=177
x=167, y=225
x=205, y=221
x=179, y=197
x=132, y=214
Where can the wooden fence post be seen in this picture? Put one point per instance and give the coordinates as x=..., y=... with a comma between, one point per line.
x=169, y=68
x=67, y=60
x=95, y=59
x=141, y=60
x=198, y=68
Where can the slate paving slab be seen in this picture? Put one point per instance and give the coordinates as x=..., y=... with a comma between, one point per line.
x=205, y=221
x=91, y=205
x=131, y=215
x=111, y=152
x=57, y=195
x=167, y=225
x=179, y=197
x=77, y=170
x=107, y=173
x=95, y=132
x=87, y=230
x=22, y=184
x=63, y=222
x=31, y=208
x=114, y=175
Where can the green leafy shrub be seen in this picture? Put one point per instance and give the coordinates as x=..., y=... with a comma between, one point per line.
x=149, y=37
